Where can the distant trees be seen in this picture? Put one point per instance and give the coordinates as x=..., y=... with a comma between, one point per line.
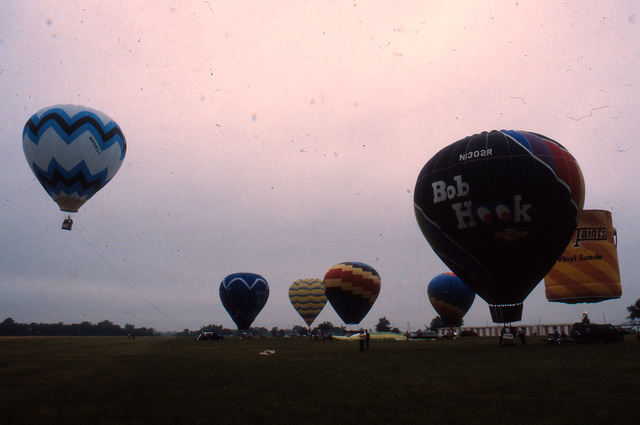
x=329, y=329
x=634, y=310
x=106, y=327
x=260, y=331
x=130, y=329
x=277, y=332
x=437, y=323
x=300, y=330
x=325, y=327
x=216, y=329
x=384, y=325
x=9, y=327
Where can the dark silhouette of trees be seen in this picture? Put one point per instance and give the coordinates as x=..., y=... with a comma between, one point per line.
x=275, y=331
x=300, y=330
x=327, y=328
x=634, y=310
x=9, y=327
x=384, y=325
x=437, y=323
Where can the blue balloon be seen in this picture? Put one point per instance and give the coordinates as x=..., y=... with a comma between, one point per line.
x=244, y=295
x=450, y=297
x=74, y=151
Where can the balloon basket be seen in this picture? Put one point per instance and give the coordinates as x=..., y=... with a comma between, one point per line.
x=508, y=340
x=67, y=223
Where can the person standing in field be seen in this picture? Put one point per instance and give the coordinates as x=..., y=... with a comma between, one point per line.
x=361, y=339
x=367, y=337
x=522, y=334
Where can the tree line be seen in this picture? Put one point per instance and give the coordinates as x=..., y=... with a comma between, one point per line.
x=325, y=327
x=9, y=327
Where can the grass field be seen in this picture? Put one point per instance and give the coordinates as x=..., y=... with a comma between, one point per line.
x=111, y=380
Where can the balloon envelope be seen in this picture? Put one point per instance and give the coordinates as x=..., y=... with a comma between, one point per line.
x=352, y=288
x=73, y=151
x=499, y=208
x=308, y=298
x=244, y=295
x=587, y=271
x=450, y=297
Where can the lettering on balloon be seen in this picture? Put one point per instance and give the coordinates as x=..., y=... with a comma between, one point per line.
x=590, y=234
x=442, y=192
x=475, y=154
x=579, y=257
x=467, y=212
x=589, y=257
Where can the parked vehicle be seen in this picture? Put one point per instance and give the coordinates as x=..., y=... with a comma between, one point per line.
x=591, y=332
x=424, y=335
x=209, y=336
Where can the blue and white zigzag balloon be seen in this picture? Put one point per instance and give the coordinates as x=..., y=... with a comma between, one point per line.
x=244, y=295
x=74, y=151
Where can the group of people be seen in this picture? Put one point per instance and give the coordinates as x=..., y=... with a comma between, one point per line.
x=325, y=337
x=364, y=338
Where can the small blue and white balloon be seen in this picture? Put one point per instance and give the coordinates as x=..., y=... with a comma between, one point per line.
x=74, y=151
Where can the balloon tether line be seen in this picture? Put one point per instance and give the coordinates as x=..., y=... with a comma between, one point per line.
x=127, y=282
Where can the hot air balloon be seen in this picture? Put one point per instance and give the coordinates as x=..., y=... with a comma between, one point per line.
x=244, y=295
x=74, y=151
x=308, y=298
x=352, y=288
x=499, y=208
x=450, y=297
x=587, y=271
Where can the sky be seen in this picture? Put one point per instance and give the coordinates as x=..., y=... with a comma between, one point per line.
x=284, y=137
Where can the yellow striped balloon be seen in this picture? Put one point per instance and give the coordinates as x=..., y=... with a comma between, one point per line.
x=308, y=298
x=587, y=271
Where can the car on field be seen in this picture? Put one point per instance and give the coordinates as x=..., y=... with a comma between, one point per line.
x=424, y=335
x=590, y=332
x=209, y=336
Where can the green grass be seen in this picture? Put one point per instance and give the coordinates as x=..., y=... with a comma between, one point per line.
x=110, y=380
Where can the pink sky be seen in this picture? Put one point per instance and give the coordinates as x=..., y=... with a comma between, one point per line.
x=284, y=137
